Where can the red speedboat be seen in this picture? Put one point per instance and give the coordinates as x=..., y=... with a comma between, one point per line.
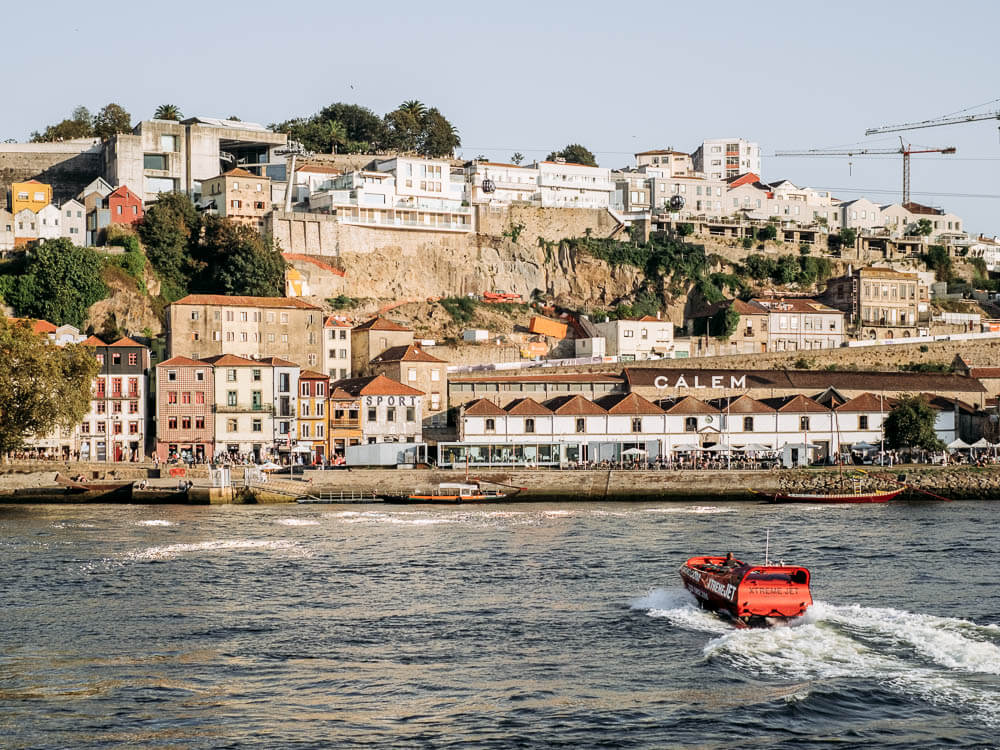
x=751, y=596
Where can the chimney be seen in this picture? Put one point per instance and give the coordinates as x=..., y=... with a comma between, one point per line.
x=657, y=314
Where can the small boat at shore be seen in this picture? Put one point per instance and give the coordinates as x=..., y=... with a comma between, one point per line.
x=752, y=596
x=451, y=493
x=96, y=492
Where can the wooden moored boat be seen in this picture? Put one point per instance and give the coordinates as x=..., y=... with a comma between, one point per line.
x=877, y=496
x=450, y=493
x=96, y=492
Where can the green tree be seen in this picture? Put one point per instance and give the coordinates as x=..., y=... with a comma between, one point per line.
x=364, y=129
x=924, y=228
x=168, y=112
x=59, y=283
x=759, y=267
x=239, y=261
x=337, y=134
x=517, y=158
x=767, y=233
x=786, y=271
x=438, y=137
x=169, y=231
x=42, y=386
x=79, y=125
x=910, y=424
x=574, y=153
x=938, y=260
x=110, y=120
x=848, y=236
x=684, y=229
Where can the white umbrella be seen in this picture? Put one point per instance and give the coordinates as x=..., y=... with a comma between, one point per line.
x=634, y=452
x=957, y=445
x=269, y=466
x=686, y=447
x=862, y=446
x=754, y=448
x=718, y=448
x=301, y=449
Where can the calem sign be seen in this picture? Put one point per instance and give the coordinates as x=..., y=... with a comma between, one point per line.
x=715, y=381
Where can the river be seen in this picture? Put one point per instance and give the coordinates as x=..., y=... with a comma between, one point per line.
x=501, y=626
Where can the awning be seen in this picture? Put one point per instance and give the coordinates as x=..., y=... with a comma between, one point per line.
x=982, y=443
x=958, y=445
x=686, y=448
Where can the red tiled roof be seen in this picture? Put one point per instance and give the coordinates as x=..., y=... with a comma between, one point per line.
x=340, y=394
x=229, y=360
x=690, y=405
x=796, y=404
x=742, y=404
x=868, y=402
x=984, y=372
x=38, y=326
x=527, y=407
x=575, y=405
x=408, y=353
x=222, y=299
x=126, y=341
x=178, y=361
x=379, y=385
x=337, y=321
x=577, y=377
x=238, y=172
x=318, y=168
x=93, y=341
x=483, y=407
x=628, y=403
x=379, y=323
x=794, y=304
x=277, y=362
x=312, y=375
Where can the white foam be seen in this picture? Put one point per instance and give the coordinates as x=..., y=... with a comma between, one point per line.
x=155, y=522
x=297, y=522
x=219, y=545
x=680, y=608
x=695, y=509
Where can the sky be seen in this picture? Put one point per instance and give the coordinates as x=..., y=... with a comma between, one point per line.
x=535, y=76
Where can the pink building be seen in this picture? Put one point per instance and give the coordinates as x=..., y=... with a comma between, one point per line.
x=185, y=397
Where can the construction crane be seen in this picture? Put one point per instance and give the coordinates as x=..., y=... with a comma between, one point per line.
x=935, y=123
x=904, y=148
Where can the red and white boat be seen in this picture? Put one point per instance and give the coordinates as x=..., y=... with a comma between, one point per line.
x=750, y=595
x=878, y=496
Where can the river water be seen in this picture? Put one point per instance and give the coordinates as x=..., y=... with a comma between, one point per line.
x=502, y=626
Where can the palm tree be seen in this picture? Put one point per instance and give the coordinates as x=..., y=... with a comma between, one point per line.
x=337, y=134
x=167, y=112
x=414, y=108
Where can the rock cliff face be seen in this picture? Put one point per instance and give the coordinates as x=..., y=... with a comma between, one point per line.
x=128, y=307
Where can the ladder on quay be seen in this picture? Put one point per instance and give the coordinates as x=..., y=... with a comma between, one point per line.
x=346, y=497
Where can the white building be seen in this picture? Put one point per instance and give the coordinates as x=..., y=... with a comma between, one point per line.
x=796, y=324
x=74, y=222
x=244, y=406
x=987, y=248
x=337, y=346
x=645, y=338
x=902, y=220
x=510, y=183
x=566, y=185
x=702, y=197
x=25, y=226
x=860, y=213
x=6, y=231
x=284, y=398
x=722, y=158
x=665, y=162
x=388, y=411
x=49, y=225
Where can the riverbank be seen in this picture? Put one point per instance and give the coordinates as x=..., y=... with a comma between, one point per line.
x=537, y=485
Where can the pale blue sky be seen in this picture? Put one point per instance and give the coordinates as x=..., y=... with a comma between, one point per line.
x=532, y=77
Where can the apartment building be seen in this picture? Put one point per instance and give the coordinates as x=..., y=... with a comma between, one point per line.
x=30, y=194
x=722, y=158
x=632, y=192
x=115, y=428
x=163, y=155
x=313, y=415
x=750, y=336
x=239, y=195
x=185, y=409
x=204, y=325
x=6, y=232
x=413, y=365
x=565, y=185
x=345, y=421
x=371, y=338
x=387, y=411
x=284, y=400
x=796, y=324
x=49, y=224
x=701, y=196
x=74, y=222
x=902, y=219
x=495, y=182
x=881, y=302
x=244, y=406
x=337, y=347
x=665, y=163
x=647, y=337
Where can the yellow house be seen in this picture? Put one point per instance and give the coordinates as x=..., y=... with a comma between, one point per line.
x=33, y=195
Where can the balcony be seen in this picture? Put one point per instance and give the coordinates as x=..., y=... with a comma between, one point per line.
x=345, y=424
x=244, y=409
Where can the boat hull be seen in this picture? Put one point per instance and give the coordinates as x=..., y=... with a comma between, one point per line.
x=868, y=497
x=749, y=595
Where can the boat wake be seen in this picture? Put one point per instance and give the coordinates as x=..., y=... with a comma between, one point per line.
x=942, y=660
